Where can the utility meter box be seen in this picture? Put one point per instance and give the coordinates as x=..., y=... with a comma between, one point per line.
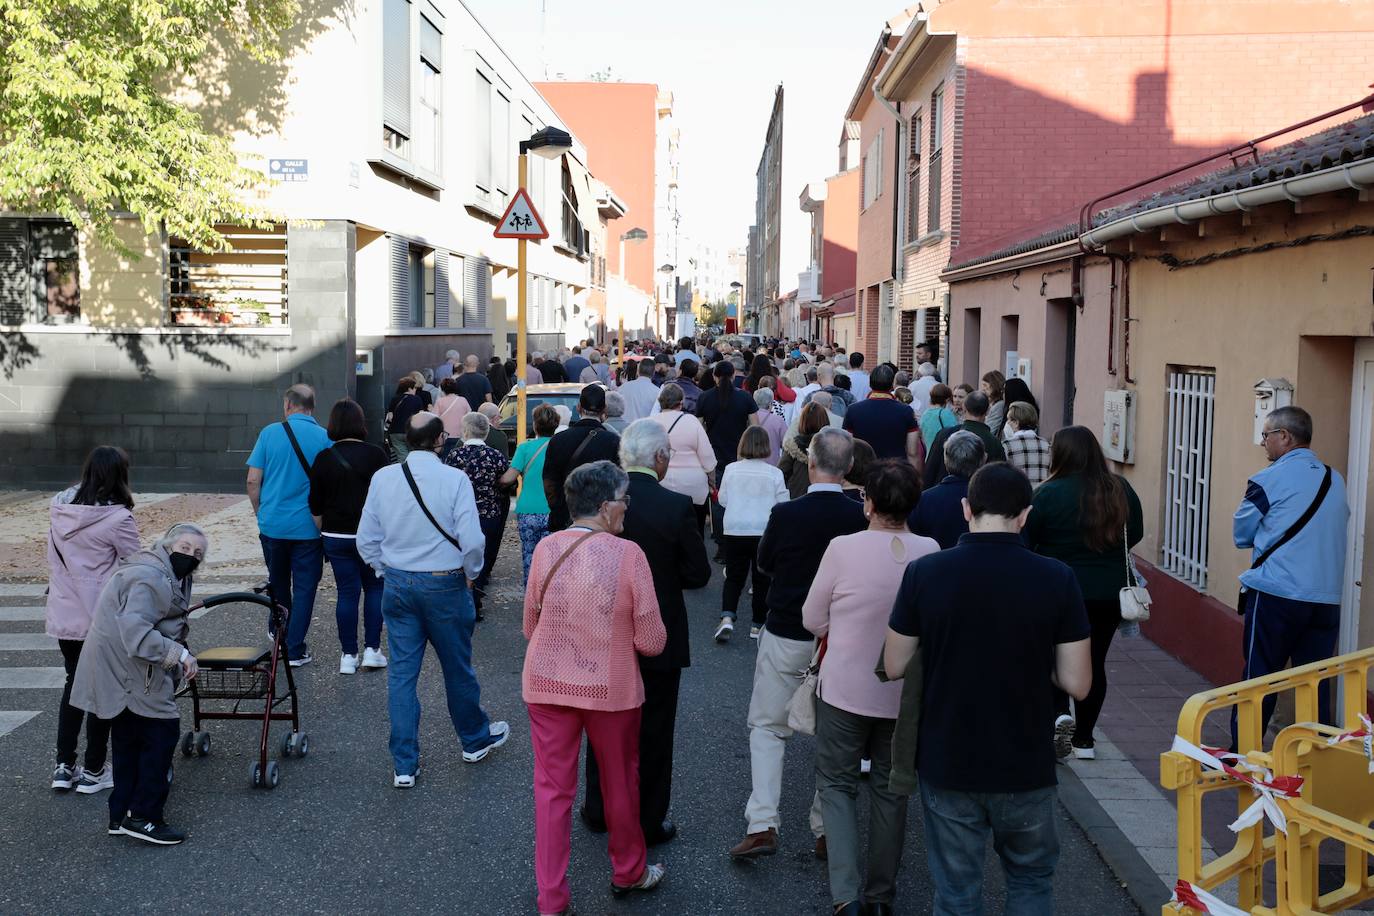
x=1118, y=425
x=1270, y=395
x=362, y=364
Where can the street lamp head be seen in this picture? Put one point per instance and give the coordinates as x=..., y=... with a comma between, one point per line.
x=735, y=284
x=667, y=269
x=547, y=142
x=634, y=235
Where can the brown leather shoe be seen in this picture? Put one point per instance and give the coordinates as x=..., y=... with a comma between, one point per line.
x=822, y=851
x=763, y=843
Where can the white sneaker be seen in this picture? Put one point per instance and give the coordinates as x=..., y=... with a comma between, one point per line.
x=90, y=783
x=1063, y=736
x=1079, y=753
x=865, y=766
x=725, y=630
x=373, y=658
x=404, y=782
x=64, y=777
x=500, y=731
x=348, y=664
x=754, y=632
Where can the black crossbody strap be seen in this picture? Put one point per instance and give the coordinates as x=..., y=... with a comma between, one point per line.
x=410, y=479
x=675, y=423
x=300, y=455
x=1301, y=523
x=581, y=447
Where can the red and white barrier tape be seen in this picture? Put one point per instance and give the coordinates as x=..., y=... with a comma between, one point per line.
x=1186, y=894
x=1268, y=786
x=1364, y=735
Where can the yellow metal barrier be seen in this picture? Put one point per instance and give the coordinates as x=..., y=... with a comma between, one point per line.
x=1246, y=860
x=1337, y=803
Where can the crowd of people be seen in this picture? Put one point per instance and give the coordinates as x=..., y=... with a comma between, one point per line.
x=864, y=511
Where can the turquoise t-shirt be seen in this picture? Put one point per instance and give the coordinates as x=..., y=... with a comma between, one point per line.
x=284, y=511
x=532, y=500
x=934, y=419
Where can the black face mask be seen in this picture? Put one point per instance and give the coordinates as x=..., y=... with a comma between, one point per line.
x=183, y=564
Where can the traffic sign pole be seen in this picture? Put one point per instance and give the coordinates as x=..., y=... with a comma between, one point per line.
x=521, y=344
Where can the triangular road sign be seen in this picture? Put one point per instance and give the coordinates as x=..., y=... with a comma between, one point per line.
x=521, y=220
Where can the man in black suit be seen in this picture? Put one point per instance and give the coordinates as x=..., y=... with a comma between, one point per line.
x=581, y=443
x=790, y=551
x=663, y=524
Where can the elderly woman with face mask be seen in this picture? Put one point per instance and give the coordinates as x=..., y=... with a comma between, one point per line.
x=134, y=657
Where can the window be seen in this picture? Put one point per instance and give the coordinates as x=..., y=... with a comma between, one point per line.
x=572, y=237
x=427, y=123
x=1187, y=484
x=913, y=180
x=481, y=137
x=244, y=286
x=40, y=277
x=501, y=153
x=396, y=77
x=933, y=171
x=872, y=166
x=419, y=289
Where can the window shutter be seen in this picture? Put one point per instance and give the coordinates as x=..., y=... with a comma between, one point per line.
x=456, y=266
x=15, y=304
x=431, y=45
x=441, y=299
x=476, y=291
x=396, y=66
x=400, y=283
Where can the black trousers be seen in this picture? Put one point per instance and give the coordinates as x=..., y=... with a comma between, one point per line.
x=142, y=751
x=69, y=718
x=657, y=720
x=741, y=562
x=717, y=512
x=1103, y=618
x=701, y=511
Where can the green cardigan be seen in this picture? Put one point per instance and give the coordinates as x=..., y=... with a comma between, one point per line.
x=1054, y=530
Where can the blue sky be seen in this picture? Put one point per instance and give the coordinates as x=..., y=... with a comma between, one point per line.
x=722, y=60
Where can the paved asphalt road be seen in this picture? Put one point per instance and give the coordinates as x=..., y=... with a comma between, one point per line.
x=336, y=837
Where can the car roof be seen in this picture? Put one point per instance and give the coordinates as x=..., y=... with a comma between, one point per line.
x=551, y=388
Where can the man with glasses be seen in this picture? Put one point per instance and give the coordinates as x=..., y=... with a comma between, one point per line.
x=1293, y=518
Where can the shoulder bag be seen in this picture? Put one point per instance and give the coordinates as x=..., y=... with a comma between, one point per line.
x=581, y=447
x=1135, y=598
x=548, y=577
x=296, y=446
x=535, y=456
x=1288, y=535
x=801, y=709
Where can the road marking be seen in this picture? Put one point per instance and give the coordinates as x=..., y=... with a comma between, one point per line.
x=10, y=720
x=39, y=589
x=32, y=678
x=23, y=589
x=18, y=613
x=26, y=642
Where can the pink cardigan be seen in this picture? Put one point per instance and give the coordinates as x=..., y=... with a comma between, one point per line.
x=599, y=613
x=851, y=600
x=85, y=543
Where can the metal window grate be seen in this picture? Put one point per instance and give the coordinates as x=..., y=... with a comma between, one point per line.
x=1191, y=400
x=243, y=286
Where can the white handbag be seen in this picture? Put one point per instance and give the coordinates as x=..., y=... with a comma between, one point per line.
x=801, y=709
x=1135, y=598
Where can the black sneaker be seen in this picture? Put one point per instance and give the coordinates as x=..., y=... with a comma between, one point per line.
x=152, y=832
x=116, y=828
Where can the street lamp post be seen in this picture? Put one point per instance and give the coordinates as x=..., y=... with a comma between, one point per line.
x=667, y=270
x=738, y=289
x=547, y=143
x=634, y=235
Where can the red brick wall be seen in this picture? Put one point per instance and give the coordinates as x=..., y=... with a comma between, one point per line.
x=1052, y=121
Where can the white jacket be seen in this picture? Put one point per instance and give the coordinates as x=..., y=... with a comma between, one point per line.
x=749, y=490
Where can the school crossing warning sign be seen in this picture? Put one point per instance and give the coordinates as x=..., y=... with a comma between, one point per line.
x=521, y=220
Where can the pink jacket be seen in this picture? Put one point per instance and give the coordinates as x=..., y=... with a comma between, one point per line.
x=84, y=545
x=599, y=614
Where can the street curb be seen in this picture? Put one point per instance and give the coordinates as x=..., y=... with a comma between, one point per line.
x=1121, y=856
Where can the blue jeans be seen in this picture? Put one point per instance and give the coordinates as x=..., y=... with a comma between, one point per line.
x=354, y=579
x=294, y=569
x=420, y=608
x=1023, y=833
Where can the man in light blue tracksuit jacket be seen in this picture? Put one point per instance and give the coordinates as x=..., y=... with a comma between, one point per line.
x=1293, y=600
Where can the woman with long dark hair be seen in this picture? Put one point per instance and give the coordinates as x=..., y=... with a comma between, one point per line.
x=1088, y=517
x=404, y=405
x=500, y=382
x=92, y=528
x=994, y=385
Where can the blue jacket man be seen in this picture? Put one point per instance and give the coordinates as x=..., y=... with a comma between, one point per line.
x=1293, y=600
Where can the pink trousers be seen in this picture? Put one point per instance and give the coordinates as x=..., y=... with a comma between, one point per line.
x=556, y=734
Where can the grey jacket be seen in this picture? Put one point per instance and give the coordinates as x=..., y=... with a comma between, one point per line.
x=133, y=650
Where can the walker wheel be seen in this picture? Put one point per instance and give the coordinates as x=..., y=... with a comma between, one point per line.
x=255, y=775
x=273, y=774
x=188, y=744
x=288, y=742
x=203, y=744
x=298, y=743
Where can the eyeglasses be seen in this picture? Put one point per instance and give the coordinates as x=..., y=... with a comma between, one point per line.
x=1269, y=432
x=623, y=500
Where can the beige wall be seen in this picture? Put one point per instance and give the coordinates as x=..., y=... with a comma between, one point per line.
x=1250, y=317
x=119, y=291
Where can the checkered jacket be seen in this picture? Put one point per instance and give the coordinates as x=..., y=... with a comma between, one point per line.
x=1027, y=451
